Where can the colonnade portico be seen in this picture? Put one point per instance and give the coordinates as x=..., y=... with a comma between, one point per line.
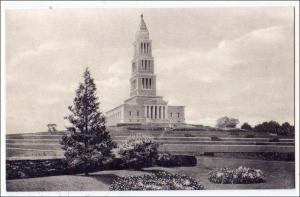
x=158, y=112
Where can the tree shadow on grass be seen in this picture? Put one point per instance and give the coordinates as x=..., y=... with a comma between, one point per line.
x=104, y=178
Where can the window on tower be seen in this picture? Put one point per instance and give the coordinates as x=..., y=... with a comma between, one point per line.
x=133, y=84
x=133, y=67
x=146, y=83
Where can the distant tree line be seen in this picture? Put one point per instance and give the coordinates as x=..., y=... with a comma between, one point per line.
x=271, y=127
x=274, y=127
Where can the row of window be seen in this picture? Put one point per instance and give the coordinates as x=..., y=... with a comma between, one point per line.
x=145, y=65
x=145, y=48
x=147, y=83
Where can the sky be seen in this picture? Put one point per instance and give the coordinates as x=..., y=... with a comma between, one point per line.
x=236, y=62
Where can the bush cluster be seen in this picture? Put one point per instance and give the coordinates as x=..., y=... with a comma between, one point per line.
x=33, y=168
x=275, y=139
x=138, y=151
x=168, y=160
x=214, y=138
x=188, y=135
x=249, y=136
x=241, y=175
x=155, y=181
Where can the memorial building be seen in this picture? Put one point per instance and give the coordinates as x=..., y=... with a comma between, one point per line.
x=144, y=106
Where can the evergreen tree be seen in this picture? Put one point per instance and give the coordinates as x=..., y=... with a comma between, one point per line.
x=87, y=143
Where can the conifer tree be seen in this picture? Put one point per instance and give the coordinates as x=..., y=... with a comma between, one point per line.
x=87, y=143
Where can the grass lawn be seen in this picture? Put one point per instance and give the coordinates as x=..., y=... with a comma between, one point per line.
x=97, y=181
x=278, y=174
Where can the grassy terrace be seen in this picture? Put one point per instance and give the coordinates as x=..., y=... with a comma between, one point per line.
x=44, y=144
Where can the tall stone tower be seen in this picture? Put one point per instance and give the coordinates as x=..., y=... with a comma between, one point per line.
x=144, y=106
x=143, y=79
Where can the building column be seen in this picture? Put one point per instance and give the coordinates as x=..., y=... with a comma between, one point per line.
x=151, y=111
x=166, y=112
x=160, y=112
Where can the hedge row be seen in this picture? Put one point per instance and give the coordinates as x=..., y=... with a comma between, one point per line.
x=168, y=160
x=51, y=167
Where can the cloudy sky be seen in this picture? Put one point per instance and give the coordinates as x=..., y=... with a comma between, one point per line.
x=236, y=62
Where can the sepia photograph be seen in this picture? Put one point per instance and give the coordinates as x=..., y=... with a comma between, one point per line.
x=99, y=98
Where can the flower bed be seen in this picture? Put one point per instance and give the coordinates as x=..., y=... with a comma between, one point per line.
x=155, y=181
x=241, y=175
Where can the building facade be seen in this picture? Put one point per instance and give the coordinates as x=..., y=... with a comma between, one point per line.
x=144, y=106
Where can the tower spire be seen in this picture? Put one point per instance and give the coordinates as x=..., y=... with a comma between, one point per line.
x=143, y=26
x=143, y=79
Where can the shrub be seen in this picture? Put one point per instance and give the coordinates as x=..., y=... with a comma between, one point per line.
x=246, y=126
x=34, y=168
x=241, y=175
x=165, y=159
x=214, y=138
x=234, y=133
x=188, y=135
x=155, y=181
x=249, y=136
x=260, y=143
x=168, y=160
x=138, y=151
x=275, y=139
x=209, y=154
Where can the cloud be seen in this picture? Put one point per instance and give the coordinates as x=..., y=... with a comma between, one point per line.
x=241, y=77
